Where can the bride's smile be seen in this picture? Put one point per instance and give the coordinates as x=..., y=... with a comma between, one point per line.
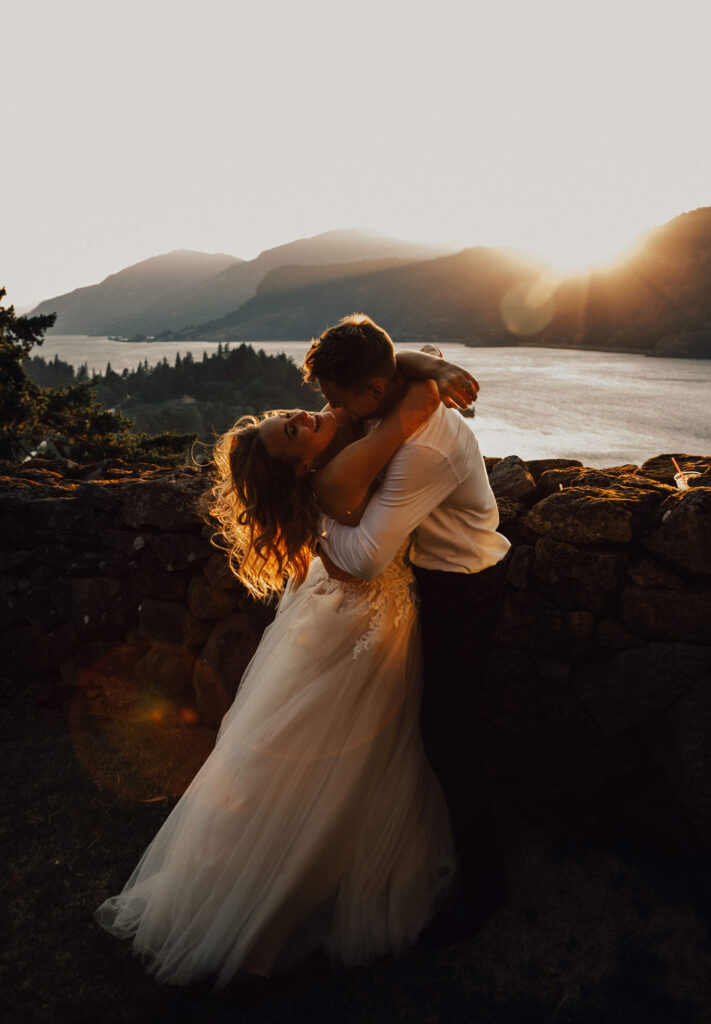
x=299, y=434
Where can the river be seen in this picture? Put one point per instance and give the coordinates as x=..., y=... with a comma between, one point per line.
x=602, y=408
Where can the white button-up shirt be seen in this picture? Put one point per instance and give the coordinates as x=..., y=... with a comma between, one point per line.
x=435, y=487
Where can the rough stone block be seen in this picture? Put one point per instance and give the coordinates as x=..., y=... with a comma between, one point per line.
x=104, y=496
x=690, y=725
x=579, y=577
x=107, y=667
x=584, y=516
x=680, y=531
x=537, y=467
x=65, y=516
x=15, y=529
x=149, y=579
x=618, y=479
x=44, y=606
x=511, y=520
x=624, y=689
x=218, y=571
x=624, y=470
x=621, y=478
x=115, y=564
x=676, y=614
x=612, y=636
x=220, y=666
x=86, y=563
x=662, y=468
x=530, y=621
x=178, y=551
x=553, y=480
x=16, y=561
x=130, y=542
x=53, y=554
x=508, y=713
x=647, y=573
x=169, y=626
x=208, y=602
x=170, y=502
x=27, y=651
x=100, y=604
x=520, y=565
x=166, y=675
x=510, y=478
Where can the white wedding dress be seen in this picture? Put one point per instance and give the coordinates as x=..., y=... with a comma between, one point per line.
x=316, y=822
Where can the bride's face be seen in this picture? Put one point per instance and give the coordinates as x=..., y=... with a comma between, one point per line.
x=298, y=435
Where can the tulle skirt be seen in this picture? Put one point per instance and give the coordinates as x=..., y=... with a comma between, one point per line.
x=316, y=822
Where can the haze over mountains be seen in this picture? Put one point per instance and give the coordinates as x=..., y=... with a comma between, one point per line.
x=658, y=301
x=182, y=288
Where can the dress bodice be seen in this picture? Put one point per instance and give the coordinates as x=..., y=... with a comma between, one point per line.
x=388, y=598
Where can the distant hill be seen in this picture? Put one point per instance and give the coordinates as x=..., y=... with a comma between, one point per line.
x=449, y=297
x=659, y=301
x=122, y=303
x=234, y=286
x=182, y=288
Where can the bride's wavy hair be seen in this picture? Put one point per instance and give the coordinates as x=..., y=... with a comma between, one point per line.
x=268, y=515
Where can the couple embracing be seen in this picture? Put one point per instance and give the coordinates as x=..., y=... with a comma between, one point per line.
x=342, y=808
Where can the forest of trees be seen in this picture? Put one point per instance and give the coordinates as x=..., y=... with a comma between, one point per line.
x=198, y=397
x=156, y=413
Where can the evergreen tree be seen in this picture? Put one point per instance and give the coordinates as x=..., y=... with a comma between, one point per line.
x=20, y=399
x=69, y=419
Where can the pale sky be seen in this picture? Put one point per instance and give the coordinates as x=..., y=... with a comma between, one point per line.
x=134, y=127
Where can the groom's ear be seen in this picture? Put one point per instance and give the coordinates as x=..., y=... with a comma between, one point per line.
x=376, y=388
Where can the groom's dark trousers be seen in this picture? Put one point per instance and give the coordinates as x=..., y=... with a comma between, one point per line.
x=458, y=614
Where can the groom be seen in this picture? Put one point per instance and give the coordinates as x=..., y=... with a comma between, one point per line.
x=435, y=489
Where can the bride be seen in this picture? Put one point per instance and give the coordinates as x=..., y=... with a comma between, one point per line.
x=316, y=822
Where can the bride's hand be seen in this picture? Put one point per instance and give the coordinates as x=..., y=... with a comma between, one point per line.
x=457, y=388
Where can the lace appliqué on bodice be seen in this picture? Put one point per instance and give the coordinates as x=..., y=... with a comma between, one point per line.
x=388, y=599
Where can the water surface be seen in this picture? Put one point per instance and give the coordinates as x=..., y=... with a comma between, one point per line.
x=602, y=408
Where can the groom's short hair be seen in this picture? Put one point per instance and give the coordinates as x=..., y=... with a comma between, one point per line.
x=350, y=354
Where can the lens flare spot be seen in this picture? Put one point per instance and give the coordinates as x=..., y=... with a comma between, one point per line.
x=132, y=743
x=528, y=307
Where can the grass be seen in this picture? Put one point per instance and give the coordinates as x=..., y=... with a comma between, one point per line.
x=600, y=925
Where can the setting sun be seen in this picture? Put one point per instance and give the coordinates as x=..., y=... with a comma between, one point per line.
x=574, y=250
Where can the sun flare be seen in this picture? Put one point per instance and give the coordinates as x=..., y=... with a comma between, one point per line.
x=576, y=252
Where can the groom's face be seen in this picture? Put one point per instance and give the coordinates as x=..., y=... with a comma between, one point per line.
x=360, y=405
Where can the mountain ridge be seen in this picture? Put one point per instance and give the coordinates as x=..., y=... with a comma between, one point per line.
x=202, y=295
x=658, y=301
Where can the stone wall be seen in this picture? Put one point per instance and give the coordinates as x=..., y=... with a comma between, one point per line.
x=111, y=585
x=600, y=682
x=600, y=678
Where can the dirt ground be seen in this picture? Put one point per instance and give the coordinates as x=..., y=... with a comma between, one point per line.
x=599, y=926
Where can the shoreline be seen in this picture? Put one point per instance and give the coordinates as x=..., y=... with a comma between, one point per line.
x=618, y=350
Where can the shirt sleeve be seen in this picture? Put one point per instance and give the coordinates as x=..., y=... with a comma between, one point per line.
x=417, y=479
